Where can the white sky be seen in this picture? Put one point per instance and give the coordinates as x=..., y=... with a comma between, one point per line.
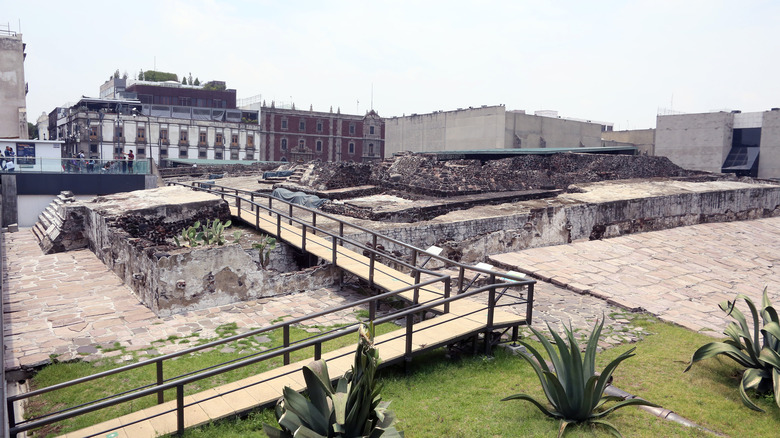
x=613, y=61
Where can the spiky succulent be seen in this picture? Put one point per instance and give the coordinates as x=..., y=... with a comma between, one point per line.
x=572, y=386
x=761, y=358
x=354, y=408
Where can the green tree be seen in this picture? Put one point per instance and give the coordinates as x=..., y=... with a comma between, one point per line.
x=184, y=80
x=197, y=81
x=32, y=130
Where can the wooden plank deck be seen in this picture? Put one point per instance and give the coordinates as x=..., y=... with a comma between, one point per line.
x=466, y=318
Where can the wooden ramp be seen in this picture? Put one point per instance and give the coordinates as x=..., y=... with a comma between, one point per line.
x=465, y=319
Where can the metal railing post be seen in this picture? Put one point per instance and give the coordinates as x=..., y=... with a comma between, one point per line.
x=461, y=274
x=286, y=340
x=238, y=206
x=291, y=214
x=447, y=292
x=252, y=198
x=341, y=233
x=317, y=351
x=160, y=381
x=179, y=410
x=530, y=305
x=11, y=414
x=270, y=206
x=416, y=288
x=333, y=257
x=371, y=261
x=303, y=238
x=414, y=258
x=491, y=311
x=279, y=226
x=314, y=222
x=372, y=311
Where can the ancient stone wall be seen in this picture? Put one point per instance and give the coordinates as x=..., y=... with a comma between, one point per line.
x=574, y=216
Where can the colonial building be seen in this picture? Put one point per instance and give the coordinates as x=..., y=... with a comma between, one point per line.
x=104, y=128
x=300, y=135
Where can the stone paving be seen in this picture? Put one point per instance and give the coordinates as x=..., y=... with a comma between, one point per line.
x=679, y=275
x=72, y=306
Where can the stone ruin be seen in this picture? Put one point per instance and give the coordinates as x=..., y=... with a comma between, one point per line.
x=132, y=233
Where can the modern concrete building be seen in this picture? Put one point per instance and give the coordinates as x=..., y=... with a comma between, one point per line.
x=743, y=143
x=489, y=127
x=300, y=135
x=643, y=139
x=13, y=88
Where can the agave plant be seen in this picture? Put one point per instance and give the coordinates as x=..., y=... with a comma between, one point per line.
x=761, y=358
x=353, y=408
x=574, y=390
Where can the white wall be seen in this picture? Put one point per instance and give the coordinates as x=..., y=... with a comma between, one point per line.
x=31, y=206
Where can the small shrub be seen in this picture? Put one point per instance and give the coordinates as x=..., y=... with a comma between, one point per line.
x=264, y=247
x=210, y=233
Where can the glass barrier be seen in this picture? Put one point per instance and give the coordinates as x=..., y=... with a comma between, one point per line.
x=74, y=165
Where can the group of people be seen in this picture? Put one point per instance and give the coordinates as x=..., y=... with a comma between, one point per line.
x=123, y=163
x=9, y=159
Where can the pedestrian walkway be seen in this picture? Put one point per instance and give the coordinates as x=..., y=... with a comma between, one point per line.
x=679, y=275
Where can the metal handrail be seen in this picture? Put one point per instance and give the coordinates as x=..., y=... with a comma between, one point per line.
x=179, y=384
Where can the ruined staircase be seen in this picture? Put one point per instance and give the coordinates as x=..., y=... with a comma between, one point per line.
x=51, y=230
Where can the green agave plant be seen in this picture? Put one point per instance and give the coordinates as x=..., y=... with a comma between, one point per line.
x=761, y=359
x=353, y=408
x=573, y=388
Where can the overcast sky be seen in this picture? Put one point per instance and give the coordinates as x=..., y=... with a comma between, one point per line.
x=613, y=61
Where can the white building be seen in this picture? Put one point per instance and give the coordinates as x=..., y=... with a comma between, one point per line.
x=13, y=88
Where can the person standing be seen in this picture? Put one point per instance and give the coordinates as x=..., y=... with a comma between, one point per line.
x=130, y=158
x=123, y=160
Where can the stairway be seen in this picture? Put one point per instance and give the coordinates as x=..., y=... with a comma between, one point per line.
x=50, y=229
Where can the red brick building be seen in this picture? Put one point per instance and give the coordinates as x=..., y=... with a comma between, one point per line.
x=300, y=135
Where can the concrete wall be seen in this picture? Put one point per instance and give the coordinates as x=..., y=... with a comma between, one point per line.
x=769, y=157
x=13, y=98
x=643, y=139
x=531, y=131
x=467, y=129
x=695, y=141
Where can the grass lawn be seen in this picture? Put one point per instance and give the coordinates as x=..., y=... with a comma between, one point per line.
x=442, y=398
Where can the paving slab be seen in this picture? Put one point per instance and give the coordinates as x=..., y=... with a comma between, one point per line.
x=678, y=275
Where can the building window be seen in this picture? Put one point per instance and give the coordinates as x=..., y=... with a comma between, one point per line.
x=218, y=153
x=202, y=138
x=119, y=132
x=284, y=144
x=319, y=145
x=234, y=140
x=234, y=154
x=183, y=135
x=140, y=152
x=302, y=125
x=284, y=123
x=164, y=136
x=163, y=152
x=319, y=126
x=301, y=144
x=351, y=148
x=140, y=135
x=93, y=148
x=220, y=141
x=352, y=128
x=371, y=149
x=93, y=132
x=250, y=140
x=183, y=153
x=371, y=130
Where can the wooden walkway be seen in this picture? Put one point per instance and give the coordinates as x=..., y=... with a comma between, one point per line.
x=465, y=319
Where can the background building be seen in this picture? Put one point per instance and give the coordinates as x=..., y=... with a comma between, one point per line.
x=490, y=127
x=13, y=88
x=743, y=143
x=300, y=135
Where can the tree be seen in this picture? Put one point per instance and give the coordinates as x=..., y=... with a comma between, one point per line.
x=32, y=130
x=184, y=80
x=116, y=74
x=124, y=75
x=197, y=81
x=141, y=75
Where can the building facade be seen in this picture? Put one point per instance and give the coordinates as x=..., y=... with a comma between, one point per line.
x=490, y=127
x=299, y=135
x=105, y=128
x=747, y=144
x=13, y=88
